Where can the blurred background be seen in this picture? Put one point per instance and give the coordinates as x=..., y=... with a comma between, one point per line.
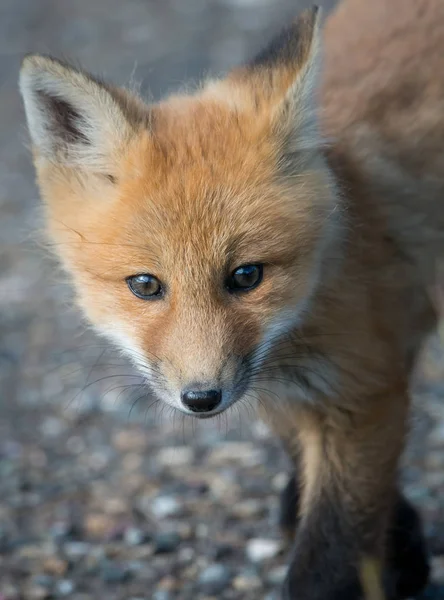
x=100, y=496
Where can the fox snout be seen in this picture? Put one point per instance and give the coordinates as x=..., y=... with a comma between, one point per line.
x=200, y=381
x=201, y=400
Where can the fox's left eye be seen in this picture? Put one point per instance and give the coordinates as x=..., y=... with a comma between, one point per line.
x=145, y=286
x=245, y=278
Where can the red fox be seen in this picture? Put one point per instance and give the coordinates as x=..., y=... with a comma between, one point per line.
x=278, y=228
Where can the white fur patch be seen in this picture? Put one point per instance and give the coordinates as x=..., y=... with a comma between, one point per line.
x=94, y=114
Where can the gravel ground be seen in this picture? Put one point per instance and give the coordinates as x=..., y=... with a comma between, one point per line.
x=103, y=495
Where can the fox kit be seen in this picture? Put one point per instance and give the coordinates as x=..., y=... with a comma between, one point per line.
x=273, y=234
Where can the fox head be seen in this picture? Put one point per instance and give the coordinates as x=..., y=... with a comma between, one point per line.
x=193, y=228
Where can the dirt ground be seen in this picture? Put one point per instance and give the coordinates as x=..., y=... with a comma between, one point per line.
x=102, y=495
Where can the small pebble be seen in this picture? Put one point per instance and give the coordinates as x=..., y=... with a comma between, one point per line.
x=279, y=482
x=277, y=575
x=132, y=462
x=10, y=592
x=65, y=587
x=76, y=550
x=142, y=552
x=166, y=542
x=261, y=431
x=134, y=536
x=165, y=506
x=115, y=506
x=52, y=427
x=215, y=578
x=224, y=487
x=168, y=584
x=436, y=437
x=176, y=456
x=222, y=551
x=262, y=549
x=186, y=554
x=55, y=566
x=202, y=530
x=44, y=581
x=244, y=453
x=98, y=525
x=247, y=582
x=114, y=573
x=30, y=552
x=437, y=563
x=434, y=460
x=185, y=530
x=75, y=445
x=131, y=440
x=135, y=566
x=435, y=479
x=92, y=564
x=36, y=592
x=162, y=595
x=247, y=509
x=62, y=530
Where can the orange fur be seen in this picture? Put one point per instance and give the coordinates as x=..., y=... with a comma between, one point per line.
x=238, y=173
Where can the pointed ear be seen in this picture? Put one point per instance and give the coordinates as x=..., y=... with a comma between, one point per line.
x=73, y=118
x=290, y=56
x=281, y=82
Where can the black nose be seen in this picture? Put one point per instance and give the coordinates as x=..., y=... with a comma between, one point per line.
x=202, y=401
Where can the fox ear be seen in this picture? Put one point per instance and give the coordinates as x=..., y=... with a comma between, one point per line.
x=281, y=80
x=290, y=56
x=72, y=118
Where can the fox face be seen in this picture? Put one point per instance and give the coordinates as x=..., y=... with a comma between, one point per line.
x=193, y=229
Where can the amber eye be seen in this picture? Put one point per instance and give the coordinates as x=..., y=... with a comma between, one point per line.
x=145, y=286
x=245, y=278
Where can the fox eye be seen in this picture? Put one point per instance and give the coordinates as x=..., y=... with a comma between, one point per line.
x=145, y=286
x=245, y=278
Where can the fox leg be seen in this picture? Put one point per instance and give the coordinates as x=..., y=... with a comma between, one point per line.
x=407, y=569
x=289, y=508
x=348, y=501
x=407, y=566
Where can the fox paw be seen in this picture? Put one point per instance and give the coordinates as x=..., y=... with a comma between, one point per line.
x=408, y=569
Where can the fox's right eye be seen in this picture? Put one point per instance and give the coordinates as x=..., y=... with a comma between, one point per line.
x=145, y=286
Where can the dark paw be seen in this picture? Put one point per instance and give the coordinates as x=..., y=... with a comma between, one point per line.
x=321, y=587
x=408, y=570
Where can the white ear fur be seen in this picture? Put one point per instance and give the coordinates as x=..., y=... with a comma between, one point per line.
x=72, y=118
